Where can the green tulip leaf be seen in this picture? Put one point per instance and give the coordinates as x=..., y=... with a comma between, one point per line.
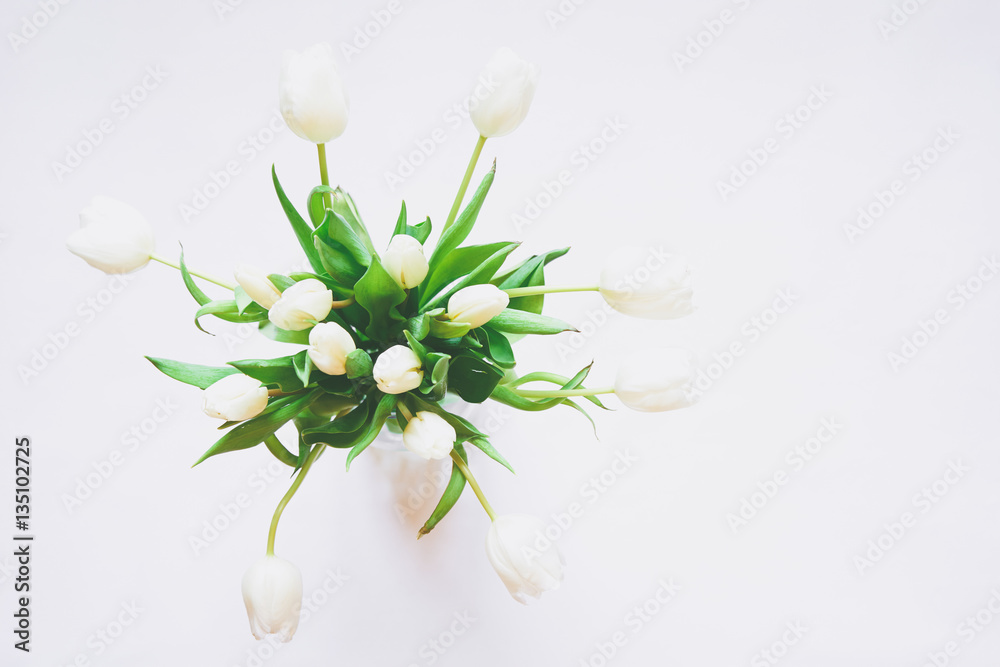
x=529, y=273
x=469, y=265
x=343, y=206
x=192, y=374
x=490, y=451
x=303, y=232
x=281, y=372
x=522, y=322
x=358, y=364
x=452, y=237
x=419, y=231
x=450, y=496
x=473, y=377
x=283, y=335
x=380, y=296
x=378, y=419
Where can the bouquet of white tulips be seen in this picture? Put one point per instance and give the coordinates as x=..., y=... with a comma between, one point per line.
x=381, y=339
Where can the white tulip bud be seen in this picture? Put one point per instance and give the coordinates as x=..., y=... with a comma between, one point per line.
x=512, y=82
x=302, y=304
x=477, y=304
x=648, y=283
x=272, y=592
x=429, y=435
x=512, y=549
x=397, y=370
x=329, y=345
x=113, y=237
x=235, y=398
x=404, y=260
x=657, y=380
x=257, y=285
x=311, y=94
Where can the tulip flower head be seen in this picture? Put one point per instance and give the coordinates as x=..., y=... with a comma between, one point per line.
x=301, y=306
x=272, y=592
x=113, y=237
x=257, y=285
x=477, y=304
x=398, y=370
x=311, y=94
x=235, y=398
x=657, y=380
x=429, y=435
x=526, y=571
x=513, y=82
x=647, y=283
x=329, y=345
x=404, y=260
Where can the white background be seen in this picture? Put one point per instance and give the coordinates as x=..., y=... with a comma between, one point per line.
x=685, y=128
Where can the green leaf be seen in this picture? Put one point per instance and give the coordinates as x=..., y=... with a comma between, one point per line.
x=280, y=281
x=435, y=382
x=358, y=364
x=379, y=294
x=283, y=335
x=469, y=265
x=344, y=206
x=379, y=416
x=302, y=364
x=530, y=273
x=193, y=288
x=419, y=231
x=472, y=377
x=243, y=300
x=490, y=451
x=280, y=452
x=229, y=311
x=451, y=495
x=280, y=372
x=338, y=262
x=419, y=326
x=340, y=235
x=193, y=374
x=452, y=237
x=254, y=431
x=522, y=322
x=448, y=329
x=498, y=346
x=344, y=431
x=303, y=232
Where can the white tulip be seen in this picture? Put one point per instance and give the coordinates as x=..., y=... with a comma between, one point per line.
x=235, y=398
x=272, y=592
x=311, y=94
x=512, y=82
x=648, y=283
x=257, y=285
x=512, y=549
x=404, y=260
x=477, y=304
x=302, y=304
x=657, y=380
x=329, y=345
x=113, y=237
x=429, y=435
x=397, y=370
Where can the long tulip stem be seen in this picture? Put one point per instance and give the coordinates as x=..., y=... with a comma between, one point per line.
x=457, y=458
x=562, y=393
x=515, y=292
x=316, y=452
x=465, y=184
x=203, y=276
x=324, y=176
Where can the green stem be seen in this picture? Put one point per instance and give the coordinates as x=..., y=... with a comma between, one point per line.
x=324, y=177
x=404, y=410
x=316, y=452
x=562, y=393
x=167, y=262
x=457, y=458
x=548, y=289
x=465, y=184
